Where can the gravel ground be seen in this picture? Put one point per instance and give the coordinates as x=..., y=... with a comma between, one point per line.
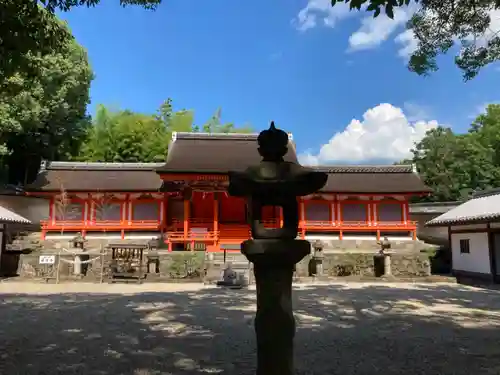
x=359, y=328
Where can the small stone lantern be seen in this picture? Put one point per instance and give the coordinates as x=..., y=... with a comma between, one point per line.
x=274, y=252
x=318, y=256
x=385, y=256
x=153, y=258
x=385, y=244
x=78, y=241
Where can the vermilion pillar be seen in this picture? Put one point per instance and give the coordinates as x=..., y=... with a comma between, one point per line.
x=302, y=218
x=186, y=219
x=216, y=217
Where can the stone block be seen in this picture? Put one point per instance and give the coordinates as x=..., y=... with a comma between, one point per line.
x=362, y=264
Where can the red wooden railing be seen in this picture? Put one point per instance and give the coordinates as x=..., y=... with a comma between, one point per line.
x=211, y=236
x=202, y=230
x=362, y=225
x=105, y=225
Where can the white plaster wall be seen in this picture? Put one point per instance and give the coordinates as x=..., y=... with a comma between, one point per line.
x=478, y=260
x=33, y=209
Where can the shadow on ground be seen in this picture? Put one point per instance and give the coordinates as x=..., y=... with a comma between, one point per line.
x=342, y=329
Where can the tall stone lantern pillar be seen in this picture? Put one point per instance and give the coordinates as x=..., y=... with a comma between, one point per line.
x=274, y=252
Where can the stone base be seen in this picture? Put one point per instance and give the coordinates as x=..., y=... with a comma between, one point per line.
x=274, y=262
x=275, y=252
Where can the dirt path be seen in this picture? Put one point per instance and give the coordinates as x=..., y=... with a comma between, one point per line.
x=188, y=329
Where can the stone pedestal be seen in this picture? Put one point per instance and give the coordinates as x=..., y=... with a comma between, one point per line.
x=77, y=265
x=387, y=265
x=319, y=268
x=274, y=262
x=153, y=262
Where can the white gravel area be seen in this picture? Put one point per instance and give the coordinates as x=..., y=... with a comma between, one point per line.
x=190, y=329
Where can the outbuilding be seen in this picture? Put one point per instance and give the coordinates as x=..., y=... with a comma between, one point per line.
x=474, y=236
x=8, y=217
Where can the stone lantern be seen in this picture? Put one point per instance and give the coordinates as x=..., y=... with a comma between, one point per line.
x=318, y=257
x=78, y=241
x=274, y=252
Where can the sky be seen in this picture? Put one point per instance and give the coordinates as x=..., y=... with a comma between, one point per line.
x=337, y=80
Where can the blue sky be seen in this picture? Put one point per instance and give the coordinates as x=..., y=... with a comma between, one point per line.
x=308, y=67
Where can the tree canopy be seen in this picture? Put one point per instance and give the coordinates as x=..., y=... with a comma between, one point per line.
x=125, y=136
x=43, y=105
x=455, y=165
x=27, y=26
x=440, y=24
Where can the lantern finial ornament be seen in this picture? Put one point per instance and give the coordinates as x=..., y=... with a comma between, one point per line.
x=273, y=144
x=274, y=252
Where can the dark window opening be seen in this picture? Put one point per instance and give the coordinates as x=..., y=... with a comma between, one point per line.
x=465, y=246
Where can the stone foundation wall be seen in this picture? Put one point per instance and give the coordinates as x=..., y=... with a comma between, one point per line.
x=187, y=266
x=399, y=246
x=332, y=245
x=27, y=265
x=363, y=264
x=192, y=266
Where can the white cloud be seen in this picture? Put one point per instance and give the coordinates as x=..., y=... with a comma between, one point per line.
x=385, y=133
x=408, y=42
x=375, y=31
x=321, y=10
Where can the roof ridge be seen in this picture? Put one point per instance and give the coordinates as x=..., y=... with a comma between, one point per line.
x=219, y=136
x=353, y=168
x=485, y=193
x=78, y=165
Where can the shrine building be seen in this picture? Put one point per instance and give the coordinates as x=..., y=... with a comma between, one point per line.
x=185, y=200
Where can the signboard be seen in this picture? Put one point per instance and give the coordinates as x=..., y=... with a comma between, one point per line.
x=47, y=259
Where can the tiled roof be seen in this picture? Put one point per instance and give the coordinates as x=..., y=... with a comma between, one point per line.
x=481, y=209
x=97, y=166
x=125, y=177
x=366, y=169
x=217, y=154
x=74, y=176
x=7, y=216
x=432, y=207
x=366, y=180
x=214, y=153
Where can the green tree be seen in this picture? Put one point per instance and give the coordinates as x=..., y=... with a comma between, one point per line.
x=125, y=136
x=43, y=107
x=455, y=165
x=214, y=125
x=438, y=24
x=486, y=128
x=26, y=26
x=179, y=121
